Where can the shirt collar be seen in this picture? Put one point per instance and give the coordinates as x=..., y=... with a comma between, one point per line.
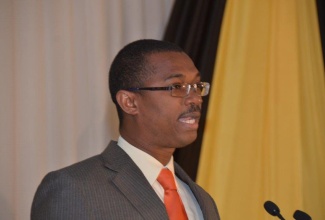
x=149, y=165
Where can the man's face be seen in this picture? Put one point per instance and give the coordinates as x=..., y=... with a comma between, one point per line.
x=168, y=121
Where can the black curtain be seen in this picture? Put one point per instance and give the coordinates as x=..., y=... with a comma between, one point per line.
x=321, y=20
x=195, y=26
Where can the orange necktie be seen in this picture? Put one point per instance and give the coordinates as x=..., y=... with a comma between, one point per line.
x=174, y=206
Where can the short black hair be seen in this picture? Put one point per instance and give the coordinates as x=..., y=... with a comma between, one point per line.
x=129, y=68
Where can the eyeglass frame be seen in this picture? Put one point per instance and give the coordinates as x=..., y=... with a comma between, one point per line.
x=206, y=85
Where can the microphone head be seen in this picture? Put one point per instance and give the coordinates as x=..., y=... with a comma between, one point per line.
x=300, y=215
x=271, y=208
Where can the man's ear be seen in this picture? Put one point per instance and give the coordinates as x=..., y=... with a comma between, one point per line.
x=127, y=101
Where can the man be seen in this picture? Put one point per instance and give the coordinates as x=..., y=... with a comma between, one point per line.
x=157, y=91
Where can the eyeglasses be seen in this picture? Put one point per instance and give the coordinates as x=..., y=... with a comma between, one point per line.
x=180, y=90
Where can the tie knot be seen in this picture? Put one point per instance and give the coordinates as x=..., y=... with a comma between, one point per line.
x=166, y=179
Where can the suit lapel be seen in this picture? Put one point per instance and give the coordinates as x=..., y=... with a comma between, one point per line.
x=194, y=188
x=133, y=184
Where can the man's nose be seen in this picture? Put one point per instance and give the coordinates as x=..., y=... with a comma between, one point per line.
x=193, y=97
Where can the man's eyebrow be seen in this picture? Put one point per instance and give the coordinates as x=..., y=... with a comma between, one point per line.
x=175, y=75
x=179, y=75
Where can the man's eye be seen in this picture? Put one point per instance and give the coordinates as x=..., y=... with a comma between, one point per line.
x=199, y=85
x=178, y=86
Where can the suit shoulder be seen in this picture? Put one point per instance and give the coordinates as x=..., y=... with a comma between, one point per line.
x=84, y=167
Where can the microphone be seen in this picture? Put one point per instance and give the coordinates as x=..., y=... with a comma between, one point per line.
x=273, y=209
x=300, y=215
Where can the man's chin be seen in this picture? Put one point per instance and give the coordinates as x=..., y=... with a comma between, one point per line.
x=187, y=141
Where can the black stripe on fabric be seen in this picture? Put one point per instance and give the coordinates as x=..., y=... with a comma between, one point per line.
x=321, y=21
x=195, y=26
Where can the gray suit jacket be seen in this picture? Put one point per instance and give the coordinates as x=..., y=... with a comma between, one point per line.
x=107, y=186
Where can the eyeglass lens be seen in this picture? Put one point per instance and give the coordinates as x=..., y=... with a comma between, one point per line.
x=202, y=89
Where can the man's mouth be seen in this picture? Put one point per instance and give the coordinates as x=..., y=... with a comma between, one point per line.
x=188, y=120
x=192, y=116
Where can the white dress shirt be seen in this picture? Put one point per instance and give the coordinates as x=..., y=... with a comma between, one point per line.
x=151, y=168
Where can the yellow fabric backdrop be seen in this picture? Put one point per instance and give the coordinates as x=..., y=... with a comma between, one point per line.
x=265, y=130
